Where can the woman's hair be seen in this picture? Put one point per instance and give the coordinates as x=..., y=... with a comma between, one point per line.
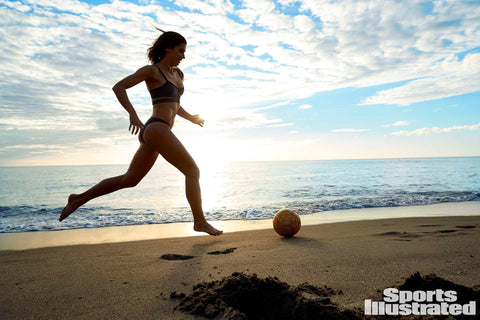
x=168, y=39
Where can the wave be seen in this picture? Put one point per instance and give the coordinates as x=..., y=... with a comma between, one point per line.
x=42, y=218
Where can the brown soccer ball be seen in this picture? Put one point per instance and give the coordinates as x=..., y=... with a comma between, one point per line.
x=286, y=223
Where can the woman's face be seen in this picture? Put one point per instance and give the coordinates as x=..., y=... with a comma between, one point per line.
x=177, y=53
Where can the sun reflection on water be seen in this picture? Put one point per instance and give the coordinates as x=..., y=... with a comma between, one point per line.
x=214, y=183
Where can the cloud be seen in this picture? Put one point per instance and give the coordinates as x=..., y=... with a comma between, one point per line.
x=280, y=125
x=305, y=106
x=17, y=5
x=33, y=146
x=349, y=130
x=59, y=59
x=396, y=124
x=275, y=105
x=112, y=124
x=335, y=45
x=368, y=42
x=436, y=130
x=240, y=119
x=454, y=77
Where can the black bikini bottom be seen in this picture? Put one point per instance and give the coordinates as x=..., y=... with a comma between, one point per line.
x=152, y=119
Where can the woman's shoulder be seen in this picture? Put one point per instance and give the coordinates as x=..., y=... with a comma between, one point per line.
x=180, y=72
x=149, y=67
x=147, y=70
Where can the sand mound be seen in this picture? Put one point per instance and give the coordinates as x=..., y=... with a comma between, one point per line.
x=247, y=297
x=433, y=282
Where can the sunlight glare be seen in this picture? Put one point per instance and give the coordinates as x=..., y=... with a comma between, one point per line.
x=214, y=183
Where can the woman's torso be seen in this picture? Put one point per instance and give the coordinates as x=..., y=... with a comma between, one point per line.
x=166, y=88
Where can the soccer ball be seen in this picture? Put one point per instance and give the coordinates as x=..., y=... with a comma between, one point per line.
x=286, y=223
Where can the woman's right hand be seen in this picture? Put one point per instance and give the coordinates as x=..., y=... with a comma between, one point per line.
x=136, y=124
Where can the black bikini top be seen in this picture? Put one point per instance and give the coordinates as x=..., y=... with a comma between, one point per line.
x=166, y=93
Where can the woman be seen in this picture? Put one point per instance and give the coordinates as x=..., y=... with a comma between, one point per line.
x=164, y=80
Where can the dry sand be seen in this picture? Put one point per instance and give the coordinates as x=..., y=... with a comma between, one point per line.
x=131, y=280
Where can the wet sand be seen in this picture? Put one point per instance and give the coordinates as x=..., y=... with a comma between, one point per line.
x=136, y=279
x=41, y=239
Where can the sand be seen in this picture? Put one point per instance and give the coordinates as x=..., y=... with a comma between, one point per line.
x=148, y=279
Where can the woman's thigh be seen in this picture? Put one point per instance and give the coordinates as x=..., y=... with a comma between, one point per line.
x=160, y=138
x=142, y=162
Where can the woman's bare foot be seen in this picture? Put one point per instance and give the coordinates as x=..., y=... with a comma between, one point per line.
x=72, y=205
x=206, y=227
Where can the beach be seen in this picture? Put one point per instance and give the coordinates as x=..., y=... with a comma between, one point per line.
x=136, y=279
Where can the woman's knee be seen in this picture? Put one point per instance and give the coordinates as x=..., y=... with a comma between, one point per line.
x=193, y=172
x=128, y=181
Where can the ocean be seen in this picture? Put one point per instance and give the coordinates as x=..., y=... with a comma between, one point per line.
x=32, y=198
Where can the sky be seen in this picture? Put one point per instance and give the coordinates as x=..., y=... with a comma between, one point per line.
x=273, y=79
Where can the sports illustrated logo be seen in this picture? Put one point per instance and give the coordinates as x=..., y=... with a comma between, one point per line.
x=406, y=303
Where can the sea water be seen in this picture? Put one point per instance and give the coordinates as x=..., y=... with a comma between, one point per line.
x=32, y=198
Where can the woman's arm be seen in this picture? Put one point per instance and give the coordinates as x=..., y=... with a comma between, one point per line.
x=195, y=118
x=120, y=90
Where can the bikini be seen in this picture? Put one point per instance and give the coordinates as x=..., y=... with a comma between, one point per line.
x=168, y=92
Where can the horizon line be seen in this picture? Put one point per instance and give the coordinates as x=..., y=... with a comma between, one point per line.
x=243, y=161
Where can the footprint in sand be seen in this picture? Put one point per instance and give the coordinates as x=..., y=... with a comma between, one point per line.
x=465, y=227
x=174, y=256
x=226, y=251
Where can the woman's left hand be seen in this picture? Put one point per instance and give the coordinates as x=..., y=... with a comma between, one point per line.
x=136, y=124
x=198, y=120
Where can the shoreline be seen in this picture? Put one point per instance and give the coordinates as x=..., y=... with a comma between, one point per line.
x=92, y=236
x=133, y=280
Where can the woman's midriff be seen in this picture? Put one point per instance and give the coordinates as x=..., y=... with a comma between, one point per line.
x=166, y=112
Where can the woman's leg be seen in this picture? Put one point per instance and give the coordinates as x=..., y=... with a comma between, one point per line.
x=141, y=163
x=161, y=138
